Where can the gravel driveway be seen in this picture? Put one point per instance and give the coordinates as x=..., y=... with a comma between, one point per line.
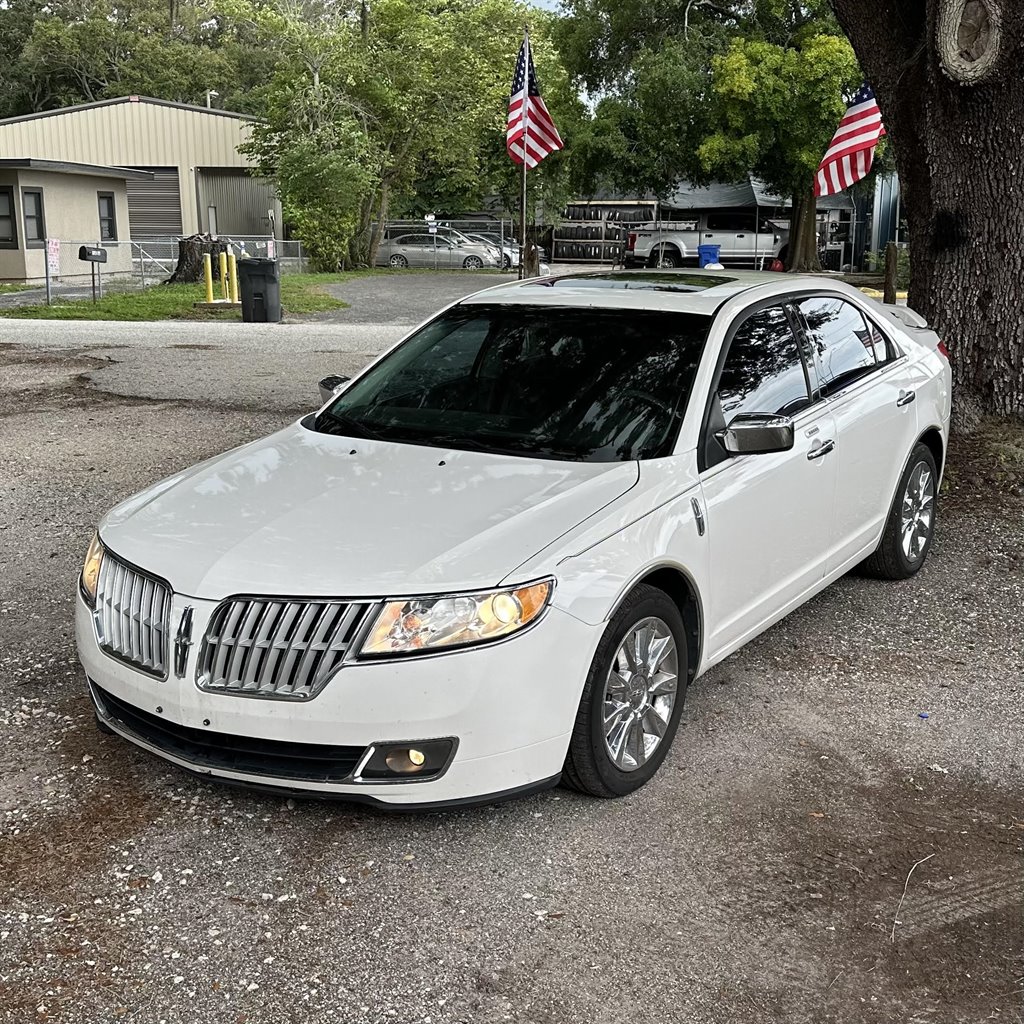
x=757, y=878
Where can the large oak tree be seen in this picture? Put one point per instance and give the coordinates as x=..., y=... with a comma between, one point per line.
x=948, y=76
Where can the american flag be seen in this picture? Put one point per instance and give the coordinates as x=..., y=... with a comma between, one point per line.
x=852, y=148
x=530, y=134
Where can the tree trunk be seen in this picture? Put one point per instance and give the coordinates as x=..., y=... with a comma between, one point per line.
x=802, y=256
x=947, y=77
x=380, y=223
x=190, y=258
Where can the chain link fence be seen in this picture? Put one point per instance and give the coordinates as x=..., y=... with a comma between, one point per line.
x=136, y=265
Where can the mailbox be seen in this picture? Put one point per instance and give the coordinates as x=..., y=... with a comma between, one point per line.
x=90, y=255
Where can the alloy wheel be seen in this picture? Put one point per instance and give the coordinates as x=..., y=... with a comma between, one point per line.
x=918, y=512
x=640, y=693
x=399, y=261
x=473, y=263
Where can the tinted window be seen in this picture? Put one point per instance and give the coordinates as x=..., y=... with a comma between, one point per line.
x=763, y=371
x=585, y=384
x=844, y=345
x=731, y=222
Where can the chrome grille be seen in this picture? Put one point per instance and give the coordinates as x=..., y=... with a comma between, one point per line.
x=131, y=616
x=262, y=647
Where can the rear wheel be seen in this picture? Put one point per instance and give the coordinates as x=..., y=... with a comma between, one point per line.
x=473, y=263
x=666, y=258
x=632, y=700
x=911, y=523
x=398, y=261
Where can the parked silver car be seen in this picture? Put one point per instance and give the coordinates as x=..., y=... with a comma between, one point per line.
x=425, y=250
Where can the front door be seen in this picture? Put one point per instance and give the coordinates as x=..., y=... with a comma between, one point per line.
x=734, y=232
x=769, y=517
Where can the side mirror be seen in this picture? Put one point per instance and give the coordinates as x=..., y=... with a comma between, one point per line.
x=330, y=386
x=752, y=433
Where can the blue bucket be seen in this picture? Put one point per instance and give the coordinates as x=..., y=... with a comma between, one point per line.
x=708, y=254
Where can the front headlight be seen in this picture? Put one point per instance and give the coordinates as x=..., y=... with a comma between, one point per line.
x=426, y=624
x=91, y=570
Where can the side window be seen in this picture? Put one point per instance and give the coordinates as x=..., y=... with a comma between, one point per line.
x=763, y=371
x=731, y=222
x=843, y=343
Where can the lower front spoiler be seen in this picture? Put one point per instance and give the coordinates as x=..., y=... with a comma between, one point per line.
x=350, y=793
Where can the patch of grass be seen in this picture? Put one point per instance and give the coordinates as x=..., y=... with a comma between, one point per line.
x=10, y=289
x=300, y=294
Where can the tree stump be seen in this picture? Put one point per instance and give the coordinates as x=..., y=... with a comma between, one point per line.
x=892, y=259
x=190, y=258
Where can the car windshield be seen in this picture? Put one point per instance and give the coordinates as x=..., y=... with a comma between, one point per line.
x=594, y=385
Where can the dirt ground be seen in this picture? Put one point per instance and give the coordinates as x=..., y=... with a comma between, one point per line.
x=836, y=836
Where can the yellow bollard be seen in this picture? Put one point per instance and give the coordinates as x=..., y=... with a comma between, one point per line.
x=208, y=276
x=233, y=276
x=223, y=260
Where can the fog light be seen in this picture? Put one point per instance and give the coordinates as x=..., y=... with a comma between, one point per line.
x=406, y=762
x=394, y=761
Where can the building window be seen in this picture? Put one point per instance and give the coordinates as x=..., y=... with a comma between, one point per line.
x=108, y=217
x=8, y=229
x=35, y=226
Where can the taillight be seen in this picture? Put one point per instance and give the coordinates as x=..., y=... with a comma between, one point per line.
x=631, y=240
x=942, y=350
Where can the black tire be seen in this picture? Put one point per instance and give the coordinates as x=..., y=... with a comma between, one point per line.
x=398, y=261
x=666, y=258
x=506, y=262
x=890, y=561
x=472, y=263
x=589, y=767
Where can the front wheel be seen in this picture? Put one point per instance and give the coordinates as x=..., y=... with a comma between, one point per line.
x=398, y=261
x=911, y=524
x=472, y=263
x=632, y=700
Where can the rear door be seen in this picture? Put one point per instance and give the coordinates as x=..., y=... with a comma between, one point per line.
x=869, y=387
x=734, y=231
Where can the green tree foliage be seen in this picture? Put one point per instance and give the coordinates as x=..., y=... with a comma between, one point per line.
x=400, y=109
x=709, y=91
x=77, y=51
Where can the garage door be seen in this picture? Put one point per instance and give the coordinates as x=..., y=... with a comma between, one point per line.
x=154, y=207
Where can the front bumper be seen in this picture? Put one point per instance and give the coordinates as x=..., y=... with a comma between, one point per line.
x=510, y=706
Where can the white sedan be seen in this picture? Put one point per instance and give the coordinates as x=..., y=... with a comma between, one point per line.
x=495, y=559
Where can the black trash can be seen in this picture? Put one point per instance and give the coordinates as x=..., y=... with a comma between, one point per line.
x=259, y=285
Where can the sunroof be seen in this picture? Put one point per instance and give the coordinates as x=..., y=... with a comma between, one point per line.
x=637, y=282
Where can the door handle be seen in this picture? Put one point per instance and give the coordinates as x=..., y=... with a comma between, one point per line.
x=906, y=397
x=707, y=234
x=741, y=236
x=822, y=449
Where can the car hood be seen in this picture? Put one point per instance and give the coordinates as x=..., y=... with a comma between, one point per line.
x=302, y=513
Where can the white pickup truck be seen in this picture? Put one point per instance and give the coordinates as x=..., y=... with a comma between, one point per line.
x=744, y=239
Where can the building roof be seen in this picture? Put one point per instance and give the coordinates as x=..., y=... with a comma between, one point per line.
x=718, y=195
x=67, y=167
x=127, y=99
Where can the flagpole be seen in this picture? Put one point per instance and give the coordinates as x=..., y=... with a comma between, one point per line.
x=522, y=208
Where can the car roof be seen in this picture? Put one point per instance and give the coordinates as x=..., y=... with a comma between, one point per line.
x=691, y=291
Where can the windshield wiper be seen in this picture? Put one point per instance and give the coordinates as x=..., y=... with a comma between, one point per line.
x=469, y=443
x=349, y=427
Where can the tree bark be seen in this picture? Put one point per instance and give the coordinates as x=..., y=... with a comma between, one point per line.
x=958, y=136
x=190, y=258
x=802, y=255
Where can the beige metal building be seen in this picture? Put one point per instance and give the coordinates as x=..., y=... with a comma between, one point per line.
x=197, y=180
